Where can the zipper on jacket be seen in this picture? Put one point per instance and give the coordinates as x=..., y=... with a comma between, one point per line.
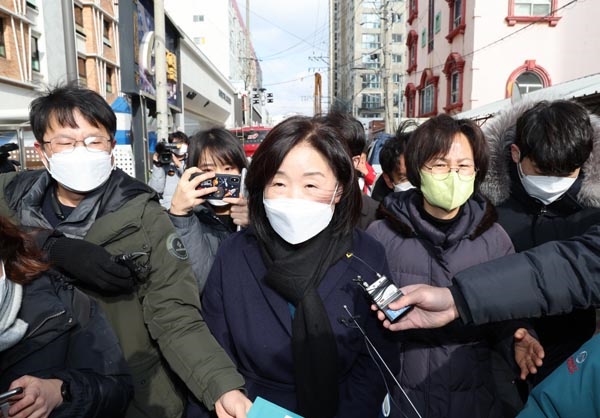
x=542, y=212
x=46, y=319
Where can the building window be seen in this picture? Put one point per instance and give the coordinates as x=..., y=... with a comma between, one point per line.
x=411, y=44
x=397, y=38
x=370, y=21
x=396, y=58
x=527, y=11
x=410, y=93
x=198, y=18
x=457, y=18
x=2, y=44
x=430, y=25
x=370, y=41
x=428, y=94
x=32, y=4
x=397, y=17
x=396, y=78
x=454, y=69
x=79, y=25
x=371, y=101
x=528, y=77
x=438, y=22
x=106, y=32
x=109, y=77
x=413, y=10
x=371, y=81
x=423, y=38
x=370, y=60
x=82, y=71
x=35, y=55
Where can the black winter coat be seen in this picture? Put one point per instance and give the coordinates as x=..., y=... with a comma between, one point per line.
x=529, y=223
x=69, y=338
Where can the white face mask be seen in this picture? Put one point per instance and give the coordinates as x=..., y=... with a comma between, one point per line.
x=80, y=170
x=298, y=220
x=546, y=189
x=402, y=187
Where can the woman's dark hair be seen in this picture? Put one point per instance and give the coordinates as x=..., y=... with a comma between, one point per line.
x=271, y=153
x=557, y=136
x=21, y=257
x=221, y=144
x=61, y=103
x=351, y=130
x=434, y=138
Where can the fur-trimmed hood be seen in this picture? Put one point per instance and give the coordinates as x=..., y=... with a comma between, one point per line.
x=500, y=134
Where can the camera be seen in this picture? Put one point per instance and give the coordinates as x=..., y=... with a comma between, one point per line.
x=228, y=185
x=383, y=292
x=165, y=152
x=7, y=165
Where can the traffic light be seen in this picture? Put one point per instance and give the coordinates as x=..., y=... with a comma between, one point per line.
x=269, y=100
x=255, y=95
x=254, y=101
x=269, y=95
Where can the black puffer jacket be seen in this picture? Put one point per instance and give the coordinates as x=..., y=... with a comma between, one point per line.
x=446, y=372
x=68, y=338
x=529, y=223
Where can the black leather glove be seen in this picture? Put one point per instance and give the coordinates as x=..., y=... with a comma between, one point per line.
x=90, y=265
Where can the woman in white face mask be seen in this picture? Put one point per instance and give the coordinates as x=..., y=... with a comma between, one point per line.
x=202, y=221
x=275, y=296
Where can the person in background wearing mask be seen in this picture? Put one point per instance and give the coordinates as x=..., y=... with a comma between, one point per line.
x=100, y=217
x=55, y=342
x=275, y=296
x=391, y=157
x=544, y=182
x=203, y=223
x=352, y=133
x=431, y=232
x=164, y=177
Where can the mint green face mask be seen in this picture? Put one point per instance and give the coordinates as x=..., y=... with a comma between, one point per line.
x=449, y=193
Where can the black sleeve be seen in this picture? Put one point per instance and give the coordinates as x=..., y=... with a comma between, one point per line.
x=99, y=379
x=554, y=278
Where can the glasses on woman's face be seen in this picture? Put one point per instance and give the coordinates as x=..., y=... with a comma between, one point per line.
x=441, y=171
x=67, y=144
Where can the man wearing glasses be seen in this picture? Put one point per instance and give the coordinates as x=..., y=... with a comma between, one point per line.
x=95, y=212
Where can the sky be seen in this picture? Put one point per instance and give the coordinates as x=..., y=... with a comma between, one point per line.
x=290, y=40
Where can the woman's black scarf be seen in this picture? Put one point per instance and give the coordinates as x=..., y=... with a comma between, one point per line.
x=295, y=272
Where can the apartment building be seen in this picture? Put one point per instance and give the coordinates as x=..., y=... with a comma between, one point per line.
x=367, y=58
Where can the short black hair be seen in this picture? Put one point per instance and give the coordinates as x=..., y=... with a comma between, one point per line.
x=181, y=136
x=394, y=147
x=434, y=138
x=221, y=143
x=351, y=131
x=271, y=153
x=557, y=136
x=61, y=102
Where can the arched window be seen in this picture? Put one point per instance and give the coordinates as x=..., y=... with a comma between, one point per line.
x=454, y=69
x=428, y=94
x=457, y=18
x=410, y=93
x=413, y=10
x=411, y=45
x=529, y=77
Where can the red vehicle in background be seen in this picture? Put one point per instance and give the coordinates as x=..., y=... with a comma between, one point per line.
x=251, y=137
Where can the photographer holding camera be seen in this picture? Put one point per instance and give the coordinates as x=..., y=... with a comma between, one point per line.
x=169, y=162
x=7, y=165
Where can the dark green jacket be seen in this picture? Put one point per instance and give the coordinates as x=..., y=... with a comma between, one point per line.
x=159, y=326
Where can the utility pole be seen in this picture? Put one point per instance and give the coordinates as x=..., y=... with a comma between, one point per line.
x=69, y=34
x=387, y=105
x=160, y=71
x=249, y=66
